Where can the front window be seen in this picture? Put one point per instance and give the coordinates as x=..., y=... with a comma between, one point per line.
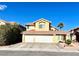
x=41, y=25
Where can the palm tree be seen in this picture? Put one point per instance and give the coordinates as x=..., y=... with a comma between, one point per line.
x=60, y=25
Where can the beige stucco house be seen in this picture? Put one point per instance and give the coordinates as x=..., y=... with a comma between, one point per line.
x=41, y=31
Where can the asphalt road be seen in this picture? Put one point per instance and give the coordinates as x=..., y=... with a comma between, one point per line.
x=37, y=53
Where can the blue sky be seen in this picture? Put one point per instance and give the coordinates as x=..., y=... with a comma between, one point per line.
x=56, y=12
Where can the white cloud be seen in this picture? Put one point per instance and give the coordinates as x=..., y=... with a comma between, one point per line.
x=3, y=7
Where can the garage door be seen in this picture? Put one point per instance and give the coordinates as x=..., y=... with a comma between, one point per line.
x=40, y=39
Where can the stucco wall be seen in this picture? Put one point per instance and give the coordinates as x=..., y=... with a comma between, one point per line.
x=30, y=28
x=57, y=38
x=53, y=29
x=68, y=37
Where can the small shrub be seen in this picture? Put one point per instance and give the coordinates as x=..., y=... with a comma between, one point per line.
x=68, y=41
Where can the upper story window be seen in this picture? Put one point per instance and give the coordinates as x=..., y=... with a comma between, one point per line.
x=41, y=25
x=27, y=27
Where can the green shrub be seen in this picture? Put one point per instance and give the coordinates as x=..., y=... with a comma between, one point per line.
x=68, y=41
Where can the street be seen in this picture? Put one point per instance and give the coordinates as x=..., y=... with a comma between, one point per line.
x=36, y=53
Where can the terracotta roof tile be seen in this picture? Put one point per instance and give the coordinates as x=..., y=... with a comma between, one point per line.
x=44, y=32
x=30, y=24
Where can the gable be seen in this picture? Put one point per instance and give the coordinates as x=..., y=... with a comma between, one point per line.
x=41, y=25
x=42, y=20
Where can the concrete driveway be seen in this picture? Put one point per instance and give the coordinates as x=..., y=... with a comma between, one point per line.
x=38, y=47
x=31, y=47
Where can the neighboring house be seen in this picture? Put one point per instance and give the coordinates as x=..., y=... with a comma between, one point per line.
x=41, y=31
x=75, y=34
x=3, y=22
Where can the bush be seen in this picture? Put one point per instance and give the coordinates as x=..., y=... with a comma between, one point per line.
x=68, y=41
x=10, y=34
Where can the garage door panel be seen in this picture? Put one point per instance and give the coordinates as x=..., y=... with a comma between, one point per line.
x=28, y=38
x=40, y=39
x=43, y=39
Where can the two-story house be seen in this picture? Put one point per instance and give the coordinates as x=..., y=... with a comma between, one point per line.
x=41, y=31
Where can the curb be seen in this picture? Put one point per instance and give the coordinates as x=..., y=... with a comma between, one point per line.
x=31, y=49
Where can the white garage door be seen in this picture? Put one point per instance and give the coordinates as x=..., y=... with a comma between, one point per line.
x=40, y=39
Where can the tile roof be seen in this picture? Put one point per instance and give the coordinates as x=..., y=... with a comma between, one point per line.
x=42, y=19
x=30, y=24
x=77, y=28
x=44, y=32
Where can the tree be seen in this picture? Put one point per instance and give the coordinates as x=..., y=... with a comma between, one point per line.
x=60, y=25
x=4, y=34
x=10, y=34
